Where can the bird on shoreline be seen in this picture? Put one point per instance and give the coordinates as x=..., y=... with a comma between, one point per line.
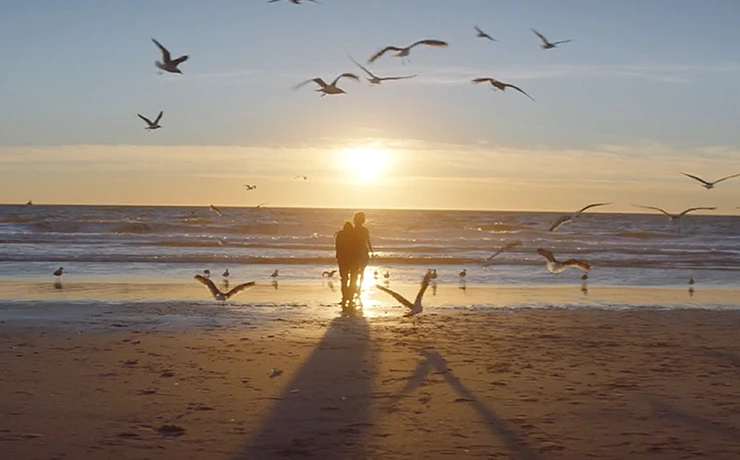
x=567, y=218
x=513, y=244
x=675, y=217
x=216, y=210
x=556, y=266
x=463, y=273
x=479, y=33
x=329, y=274
x=207, y=273
x=332, y=88
x=707, y=184
x=152, y=125
x=404, y=52
x=416, y=307
x=217, y=293
x=168, y=64
x=275, y=274
x=226, y=273
x=59, y=272
x=376, y=80
x=500, y=85
x=546, y=45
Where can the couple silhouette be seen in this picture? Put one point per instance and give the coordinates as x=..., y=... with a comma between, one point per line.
x=353, y=249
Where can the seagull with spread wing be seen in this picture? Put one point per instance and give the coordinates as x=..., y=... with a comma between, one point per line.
x=512, y=244
x=376, y=80
x=674, y=217
x=563, y=219
x=707, y=184
x=479, y=33
x=556, y=266
x=152, y=124
x=546, y=45
x=416, y=307
x=216, y=210
x=499, y=85
x=168, y=64
x=404, y=52
x=332, y=88
x=217, y=293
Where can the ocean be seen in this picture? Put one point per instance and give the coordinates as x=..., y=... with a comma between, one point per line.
x=130, y=246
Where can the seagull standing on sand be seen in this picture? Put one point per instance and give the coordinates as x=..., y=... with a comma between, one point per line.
x=463, y=273
x=387, y=275
x=168, y=64
x=479, y=33
x=226, y=273
x=217, y=293
x=404, y=52
x=216, y=210
x=500, y=85
x=510, y=245
x=563, y=219
x=152, y=124
x=332, y=88
x=556, y=266
x=675, y=217
x=376, y=80
x=416, y=307
x=546, y=45
x=59, y=272
x=207, y=273
x=709, y=185
x=274, y=274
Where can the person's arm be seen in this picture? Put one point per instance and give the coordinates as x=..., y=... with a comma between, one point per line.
x=369, y=244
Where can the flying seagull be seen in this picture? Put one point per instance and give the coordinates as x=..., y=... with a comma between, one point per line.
x=403, y=52
x=416, y=307
x=325, y=89
x=709, y=185
x=168, y=64
x=674, y=217
x=329, y=274
x=301, y=177
x=546, y=45
x=481, y=34
x=513, y=244
x=500, y=85
x=216, y=210
x=217, y=293
x=556, y=266
x=376, y=80
x=250, y=187
x=152, y=124
x=563, y=219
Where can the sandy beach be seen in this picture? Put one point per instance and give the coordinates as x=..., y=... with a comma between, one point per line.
x=517, y=384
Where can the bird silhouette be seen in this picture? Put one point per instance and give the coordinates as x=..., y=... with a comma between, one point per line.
x=217, y=293
x=500, y=85
x=414, y=308
x=331, y=88
x=404, y=52
x=546, y=45
x=168, y=64
x=707, y=184
x=567, y=218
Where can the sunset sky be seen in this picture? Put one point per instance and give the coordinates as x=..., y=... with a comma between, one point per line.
x=645, y=90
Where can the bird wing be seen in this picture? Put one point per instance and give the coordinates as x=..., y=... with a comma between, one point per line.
x=725, y=178
x=210, y=285
x=514, y=87
x=148, y=121
x=318, y=81
x=159, y=117
x=696, y=209
x=697, y=178
x=429, y=43
x=542, y=37
x=362, y=67
x=180, y=60
x=547, y=255
x=483, y=34
x=397, y=78
x=239, y=288
x=396, y=295
x=382, y=52
x=655, y=209
x=510, y=245
x=423, y=288
x=347, y=75
x=560, y=42
x=482, y=80
x=560, y=221
x=582, y=264
x=589, y=207
x=216, y=210
x=165, y=54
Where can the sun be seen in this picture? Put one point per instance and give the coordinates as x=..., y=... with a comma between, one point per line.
x=366, y=163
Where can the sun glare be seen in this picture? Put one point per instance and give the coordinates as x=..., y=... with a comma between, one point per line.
x=366, y=163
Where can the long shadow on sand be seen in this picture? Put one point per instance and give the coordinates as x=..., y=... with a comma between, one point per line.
x=324, y=411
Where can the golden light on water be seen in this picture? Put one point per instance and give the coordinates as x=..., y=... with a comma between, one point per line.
x=366, y=163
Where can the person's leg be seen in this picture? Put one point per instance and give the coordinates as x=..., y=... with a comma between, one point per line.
x=353, y=273
x=344, y=276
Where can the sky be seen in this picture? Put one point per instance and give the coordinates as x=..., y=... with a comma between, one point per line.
x=645, y=90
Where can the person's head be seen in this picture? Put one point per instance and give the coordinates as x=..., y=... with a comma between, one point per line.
x=348, y=226
x=359, y=218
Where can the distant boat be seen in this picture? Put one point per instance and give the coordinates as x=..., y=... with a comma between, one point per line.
x=30, y=203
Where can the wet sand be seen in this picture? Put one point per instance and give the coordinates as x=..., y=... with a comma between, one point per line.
x=506, y=384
